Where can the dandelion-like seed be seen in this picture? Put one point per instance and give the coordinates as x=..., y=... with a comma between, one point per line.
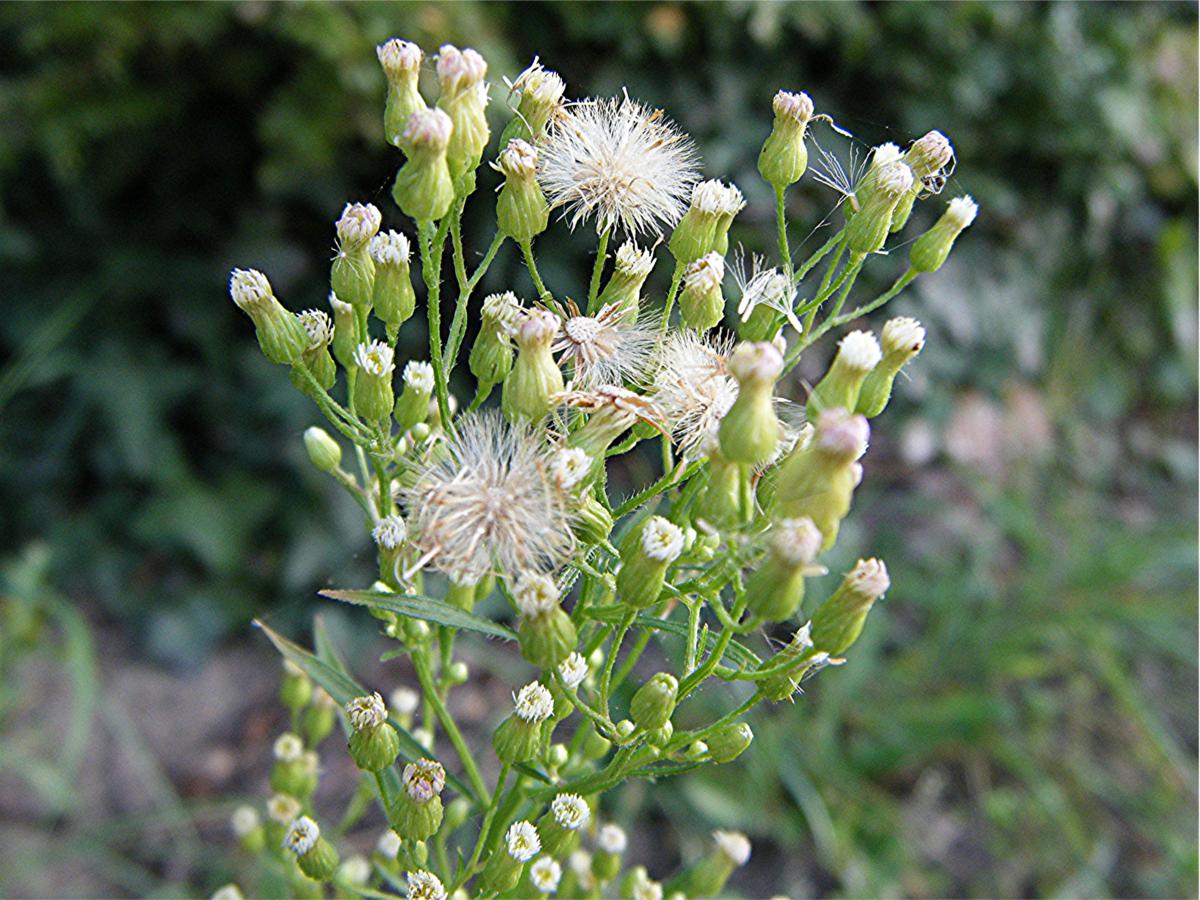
x=423, y=885
x=692, y=389
x=618, y=163
x=605, y=349
x=301, y=836
x=759, y=285
x=545, y=875
x=487, y=502
x=423, y=779
x=534, y=703
x=522, y=841
x=570, y=811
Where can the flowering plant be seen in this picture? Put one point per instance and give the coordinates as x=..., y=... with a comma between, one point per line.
x=515, y=500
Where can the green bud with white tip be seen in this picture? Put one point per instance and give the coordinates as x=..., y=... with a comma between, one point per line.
x=424, y=189
x=535, y=377
x=412, y=406
x=521, y=209
x=928, y=157
x=518, y=738
x=464, y=99
x=546, y=634
x=857, y=356
x=624, y=288
x=374, y=364
x=353, y=273
x=749, y=432
x=784, y=157
x=902, y=340
x=401, y=63
x=645, y=559
x=393, y=298
x=323, y=451
x=374, y=743
x=280, y=334
x=930, y=250
x=885, y=183
x=417, y=811
x=839, y=621
x=491, y=357
x=701, y=304
x=776, y=589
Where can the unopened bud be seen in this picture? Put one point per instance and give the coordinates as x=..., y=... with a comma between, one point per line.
x=521, y=209
x=280, y=334
x=645, y=559
x=702, y=304
x=323, y=451
x=930, y=250
x=903, y=339
x=654, y=702
x=839, y=621
x=424, y=189
x=784, y=157
x=401, y=62
x=535, y=377
x=749, y=432
x=858, y=354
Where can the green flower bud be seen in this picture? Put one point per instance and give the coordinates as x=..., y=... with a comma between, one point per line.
x=624, y=288
x=464, y=99
x=541, y=92
x=390, y=534
x=546, y=634
x=280, y=334
x=343, y=331
x=373, y=396
x=424, y=189
x=884, y=186
x=295, y=690
x=645, y=559
x=839, y=621
x=611, y=842
x=323, y=451
x=708, y=877
x=696, y=233
x=930, y=250
x=928, y=157
x=784, y=157
x=728, y=743
x=858, y=354
x=702, y=304
x=903, y=339
x=731, y=204
x=412, y=406
x=559, y=827
x=315, y=359
x=417, y=812
x=316, y=856
x=519, y=737
x=521, y=209
x=776, y=589
x=596, y=746
x=491, y=356
x=504, y=865
x=401, y=62
x=722, y=501
x=654, y=702
x=592, y=522
x=374, y=743
x=318, y=719
x=557, y=756
x=660, y=737
x=749, y=432
x=637, y=885
x=462, y=594
x=393, y=297
x=535, y=377
x=353, y=274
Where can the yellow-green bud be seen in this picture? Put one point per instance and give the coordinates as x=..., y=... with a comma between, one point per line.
x=315, y=359
x=560, y=826
x=903, y=339
x=749, y=432
x=374, y=743
x=592, y=522
x=722, y=503
x=280, y=334
x=401, y=62
x=645, y=559
x=464, y=99
x=353, y=274
x=462, y=594
x=521, y=209
x=373, y=396
x=417, y=812
x=839, y=621
x=248, y=829
x=928, y=157
x=930, y=250
x=412, y=406
x=858, y=354
x=393, y=297
x=541, y=93
x=295, y=690
x=424, y=189
x=343, y=331
x=660, y=737
x=784, y=157
x=654, y=702
x=624, y=288
x=323, y=451
x=505, y=863
x=696, y=233
x=728, y=743
x=491, y=355
x=702, y=304
x=776, y=589
x=535, y=377
x=732, y=203
x=883, y=187
x=546, y=634
x=611, y=842
x=519, y=737
x=316, y=856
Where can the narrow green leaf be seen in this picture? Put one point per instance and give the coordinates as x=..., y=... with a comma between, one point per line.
x=419, y=607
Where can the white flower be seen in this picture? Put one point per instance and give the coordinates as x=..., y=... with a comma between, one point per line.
x=535, y=595
x=487, y=501
x=283, y=808
x=573, y=670
x=424, y=737
x=244, y=820
x=734, y=845
x=604, y=348
x=518, y=159
x=633, y=260
x=388, y=844
x=391, y=532
x=359, y=223
x=662, y=540
x=390, y=248
x=423, y=885
x=903, y=336
x=288, y=747
x=618, y=163
x=503, y=312
x=798, y=106
x=301, y=836
x=404, y=701
x=570, y=811
x=542, y=86
x=704, y=274
x=534, y=703
x=893, y=178
x=646, y=889
x=419, y=376
x=398, y=57
x=612, y=839
x=762, y=286
x=318, y=326
x=961, y=211
x=545, y=875
x=580, y=862
x=355, y=870
x=869, y=577
x=227, y=892
x=249, y=288
x=570, y=466
x=366, y=712
x=859, y=351
x=428, y=128
x=796, y=541
x=692, y=389
x=376, y=359
x=423, y=779
x=522, y=841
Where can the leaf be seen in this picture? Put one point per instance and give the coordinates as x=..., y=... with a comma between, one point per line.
x=738, y=653
x=343, y=688
x=416, y=606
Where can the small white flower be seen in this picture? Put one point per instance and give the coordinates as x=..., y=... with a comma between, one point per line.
x=359, y=223
x=617, y=163
x=580, y=862
x=391, y=532
x=612, y=839
x=249, y=288
x=570, y=811
x=545, y=875
x=390, y=248
x=798, y=106
x=288, y=747
x=522, y=841
x=633, y=261
x=366, y=712
x=534, y=703
x=518, y=160
x=762, y=286
x=796, y=541
x=842, y=434
x=961, y=211
x=573, y=670
x=704, y=274
x=543, y=87
x=734, y=844
x=398, y=57
x=893, y=179
x=376, y=359
x=419, y=376
x=903, y=337
x=423, y=779
x=859, y=351
x=570, y=466
x=404, y=701
x=646, y=889
x=301, y=836
x=503, y=312
x=227, y=892
x=283, y=808
x=355, y=870
x=662, y=540
x=428, y=128
x=424, y=737
x=388, y=845
x=244, y=820
x=536, y=595
x=423, y=885
x=318, y=326
x=869, y=577
x=708, y=197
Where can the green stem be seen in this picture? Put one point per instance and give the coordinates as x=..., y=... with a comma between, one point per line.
x=676, y=278
x=598, y=270
x=665, y=483
x=344, y=421
x=614, y=650
x=531, y=264
x=854, y=267
x=785, y=253
x=459, y=324
x=488, y=816
x=824, y=290
x=431, y=273
x=821, y=253
x=456, y=242
x=425, y=676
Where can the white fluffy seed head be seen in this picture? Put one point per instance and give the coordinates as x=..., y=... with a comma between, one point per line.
x=961, y=212
x=399, y=57
x=244, y=820
x=692, y=390
x=366, y=712
x=388, y=845
x=423, y=780
x=618, y=164
x=869, y=577
x=376, y=359
x=662, y=540
x=422, y=885
x=573, y=669
x=359, y=223
x=570, y=811
x=518, y=159
x=318, y=326
x=796, y=541
x=842, y=434
x=903, y=336
x=283, y=808
x=859, y=351
x=545, y=874
x=795, y=106
x=487, y=502
x=536, y=595
x=704, y=274
x=522, y=841
x=390, y=248
x=428, y=129
x=605, y=348
x=534, y=703
x=418, y=375
x=734, y=845
x=390, y=532
x=249, y=288
x=756, y=362
x=301, y=836
x=288, y=747
x=612, y=839
x=404, y=701
x=459, y=70
x=570, y=466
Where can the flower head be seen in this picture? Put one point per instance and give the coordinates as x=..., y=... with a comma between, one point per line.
x=388, y=845
x=318, y=327
x=545, y=875
x=932, y=159
x=692, y=389
x=704, y=274
x=612, y=839
x=503, y=312
x=869, y=577
x=796, y=541
x=459, y=70
x=604, y=348
x=227, y=892
x=375, y=358
x=795, y=106
x=619, y=163
x=518, y=159
x=423, y=779
x=418, y=375
x=522, y=841
x=249, y=288
x=283, y=808
x=842, y=434
x=391, y=532
x=570, y=466
x=487, y=501
x=534, y=703
x=390, y=248
x=288, y=747
x=536, y=594
x=573, y=670
x=859, y=351
x=762, y=286
x=301, y=835
x=244, y=820
x=633, y=260
x=366, y=712
x=902, y=336
x=428, y=128
x=734, y=845
x=570, y=811
x=398, y=57
x=359, y=223
x=662, y=540
x=423, y=885
x=404, y=701
x=961, y=211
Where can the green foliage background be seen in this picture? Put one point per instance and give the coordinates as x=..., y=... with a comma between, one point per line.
x=1019, y=718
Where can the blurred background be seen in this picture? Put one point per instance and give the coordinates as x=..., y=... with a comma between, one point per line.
x=1020, y=716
